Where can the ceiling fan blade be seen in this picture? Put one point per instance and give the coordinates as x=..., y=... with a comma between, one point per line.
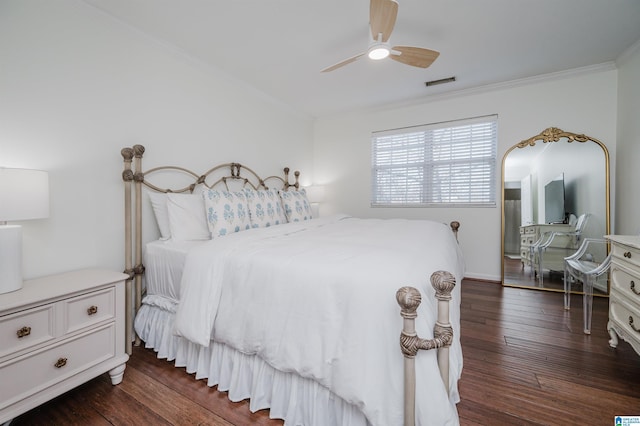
x=414, y=56
x=382, y=18
x=343, y=63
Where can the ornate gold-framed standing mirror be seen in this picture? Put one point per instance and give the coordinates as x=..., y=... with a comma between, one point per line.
x=555, y=188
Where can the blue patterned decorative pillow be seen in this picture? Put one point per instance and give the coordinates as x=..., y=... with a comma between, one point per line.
x=296, y=205
x=265, y=207
x=226, y=212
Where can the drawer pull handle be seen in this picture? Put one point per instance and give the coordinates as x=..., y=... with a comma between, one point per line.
x=92, y=310
x=627, y=254
x=23, y=332
x=60, y=363
x=632, y=286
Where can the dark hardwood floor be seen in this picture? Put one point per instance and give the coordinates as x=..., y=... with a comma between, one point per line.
x=526, y=362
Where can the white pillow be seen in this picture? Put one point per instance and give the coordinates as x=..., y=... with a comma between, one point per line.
x=296, y=205
x=161, y=213
x=187, y=220
x=265, y=207
x=226, y=212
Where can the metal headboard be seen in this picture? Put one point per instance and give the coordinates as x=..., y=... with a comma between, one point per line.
x=135, y=178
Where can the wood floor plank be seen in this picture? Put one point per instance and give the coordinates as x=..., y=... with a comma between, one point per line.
x=68, y=409
x=173, y=406
x=118, y=406
x=593, y=402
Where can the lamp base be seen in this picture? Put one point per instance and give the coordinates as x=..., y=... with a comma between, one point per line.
x=10, y=258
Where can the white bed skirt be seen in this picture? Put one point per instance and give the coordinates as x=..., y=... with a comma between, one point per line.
x=296, y=400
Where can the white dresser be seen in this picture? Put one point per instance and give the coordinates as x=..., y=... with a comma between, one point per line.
x=624, y=298
x=530, y=234
x=58, y=332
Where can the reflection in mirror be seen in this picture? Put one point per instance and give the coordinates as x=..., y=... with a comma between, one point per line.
x=555, y=195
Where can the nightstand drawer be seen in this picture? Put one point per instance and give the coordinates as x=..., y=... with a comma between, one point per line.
x=25, y=329
x=37, y=371
x=89, y=309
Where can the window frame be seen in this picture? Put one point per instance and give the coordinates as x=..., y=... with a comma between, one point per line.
x=426, y=154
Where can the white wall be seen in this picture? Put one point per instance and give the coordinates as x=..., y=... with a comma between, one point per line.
x=580, y=102
x=76, y=86
x=627, y=172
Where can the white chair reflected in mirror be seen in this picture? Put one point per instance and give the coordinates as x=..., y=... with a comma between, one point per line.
x=552, y=248
x=586, y=265
x=532, y=258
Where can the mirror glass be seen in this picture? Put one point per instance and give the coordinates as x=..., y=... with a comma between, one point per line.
x=555, y=194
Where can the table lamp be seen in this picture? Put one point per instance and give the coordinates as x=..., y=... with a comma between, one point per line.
x=315, y=195
x=24, y=195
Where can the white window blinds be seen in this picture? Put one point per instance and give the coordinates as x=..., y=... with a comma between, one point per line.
x=444, y=164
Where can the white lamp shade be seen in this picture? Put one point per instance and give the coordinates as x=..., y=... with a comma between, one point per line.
x=24, y=194
x=315, y=193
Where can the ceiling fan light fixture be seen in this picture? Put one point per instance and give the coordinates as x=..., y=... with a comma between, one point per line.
x=382, y=18
x=378, y=51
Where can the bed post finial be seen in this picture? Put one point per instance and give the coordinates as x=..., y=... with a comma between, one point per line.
x=127, y=154
x=455, y=225
x=138, y=150
x=443, y=282
x=409, y=299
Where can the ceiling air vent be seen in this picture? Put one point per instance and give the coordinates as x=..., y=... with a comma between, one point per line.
x=441, y=81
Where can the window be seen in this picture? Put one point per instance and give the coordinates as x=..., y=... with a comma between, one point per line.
x=450, y=164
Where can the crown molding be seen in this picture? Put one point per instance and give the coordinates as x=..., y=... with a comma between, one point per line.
x=628, y=54
x=559, y=75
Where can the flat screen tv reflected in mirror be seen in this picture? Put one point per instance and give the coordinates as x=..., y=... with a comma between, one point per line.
x=554, y=211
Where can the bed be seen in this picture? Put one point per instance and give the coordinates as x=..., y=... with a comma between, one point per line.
x=295, y=313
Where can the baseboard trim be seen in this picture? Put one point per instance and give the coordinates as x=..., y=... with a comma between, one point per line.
x=483, y=280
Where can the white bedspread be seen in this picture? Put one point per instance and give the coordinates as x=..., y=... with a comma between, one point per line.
x=164, y=261
x=318, y=298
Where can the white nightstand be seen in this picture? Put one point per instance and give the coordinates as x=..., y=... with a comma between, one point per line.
x=58, y=332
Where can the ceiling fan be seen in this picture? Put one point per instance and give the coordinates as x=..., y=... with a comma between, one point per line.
x=382, y=19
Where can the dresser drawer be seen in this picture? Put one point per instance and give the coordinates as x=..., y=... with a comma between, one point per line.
x=627, y=319
x=88, y=309
x=25, y=329
x=27, y=375
x=625, y=285
x=630, y=256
